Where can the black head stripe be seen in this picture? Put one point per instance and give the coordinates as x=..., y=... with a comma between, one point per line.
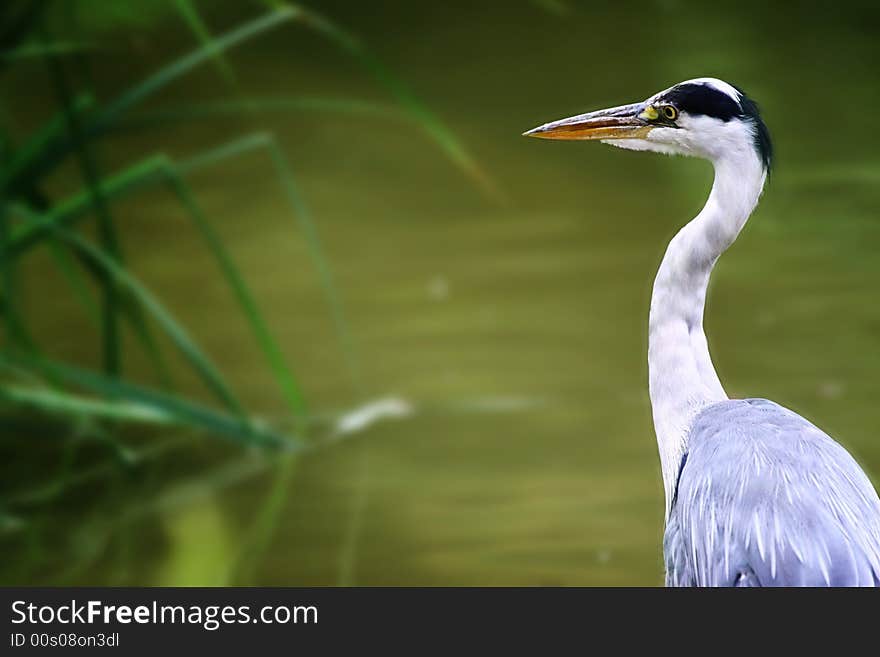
x=697, y=98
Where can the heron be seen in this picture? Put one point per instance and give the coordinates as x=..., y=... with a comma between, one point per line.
x=756, y=495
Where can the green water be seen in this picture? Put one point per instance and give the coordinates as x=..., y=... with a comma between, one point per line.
x=455, y=297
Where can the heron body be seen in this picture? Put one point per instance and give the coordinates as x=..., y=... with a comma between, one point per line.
x=755, y=494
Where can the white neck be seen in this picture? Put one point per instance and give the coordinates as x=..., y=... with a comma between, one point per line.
x=682, y=379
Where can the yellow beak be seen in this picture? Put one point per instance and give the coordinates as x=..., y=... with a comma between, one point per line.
x=623, y=122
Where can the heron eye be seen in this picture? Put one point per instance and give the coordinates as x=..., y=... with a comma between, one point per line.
x=669, y=112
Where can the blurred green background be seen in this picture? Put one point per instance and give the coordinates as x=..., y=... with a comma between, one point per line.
x=287, y=300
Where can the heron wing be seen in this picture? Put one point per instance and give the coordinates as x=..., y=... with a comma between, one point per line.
x=764, y=498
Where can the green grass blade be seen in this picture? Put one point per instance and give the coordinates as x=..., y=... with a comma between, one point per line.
x=66, y=265
x=432, y=125
x=160, y=169
x=197, y=26
x=139, y=324
x=238, y=428
x=51, y=131
x=52, y=152
x=444, y=137
x=307, y=227
x=185, y=64
x=132, y=312
x=55, y=402
x=66, y=212
x=179, y=336
x=283, y=374
x=107, y=234
x=220, y=109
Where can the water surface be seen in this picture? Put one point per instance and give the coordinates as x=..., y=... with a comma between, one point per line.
x=455, y=297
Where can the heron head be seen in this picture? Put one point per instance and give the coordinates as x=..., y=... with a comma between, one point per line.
x=704, y=117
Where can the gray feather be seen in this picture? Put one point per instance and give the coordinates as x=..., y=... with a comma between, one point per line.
x=765, y=498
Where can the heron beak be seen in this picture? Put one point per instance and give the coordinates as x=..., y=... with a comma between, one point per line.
x=624, y=122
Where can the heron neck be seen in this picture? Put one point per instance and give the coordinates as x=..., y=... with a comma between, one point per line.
x=682, y=378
